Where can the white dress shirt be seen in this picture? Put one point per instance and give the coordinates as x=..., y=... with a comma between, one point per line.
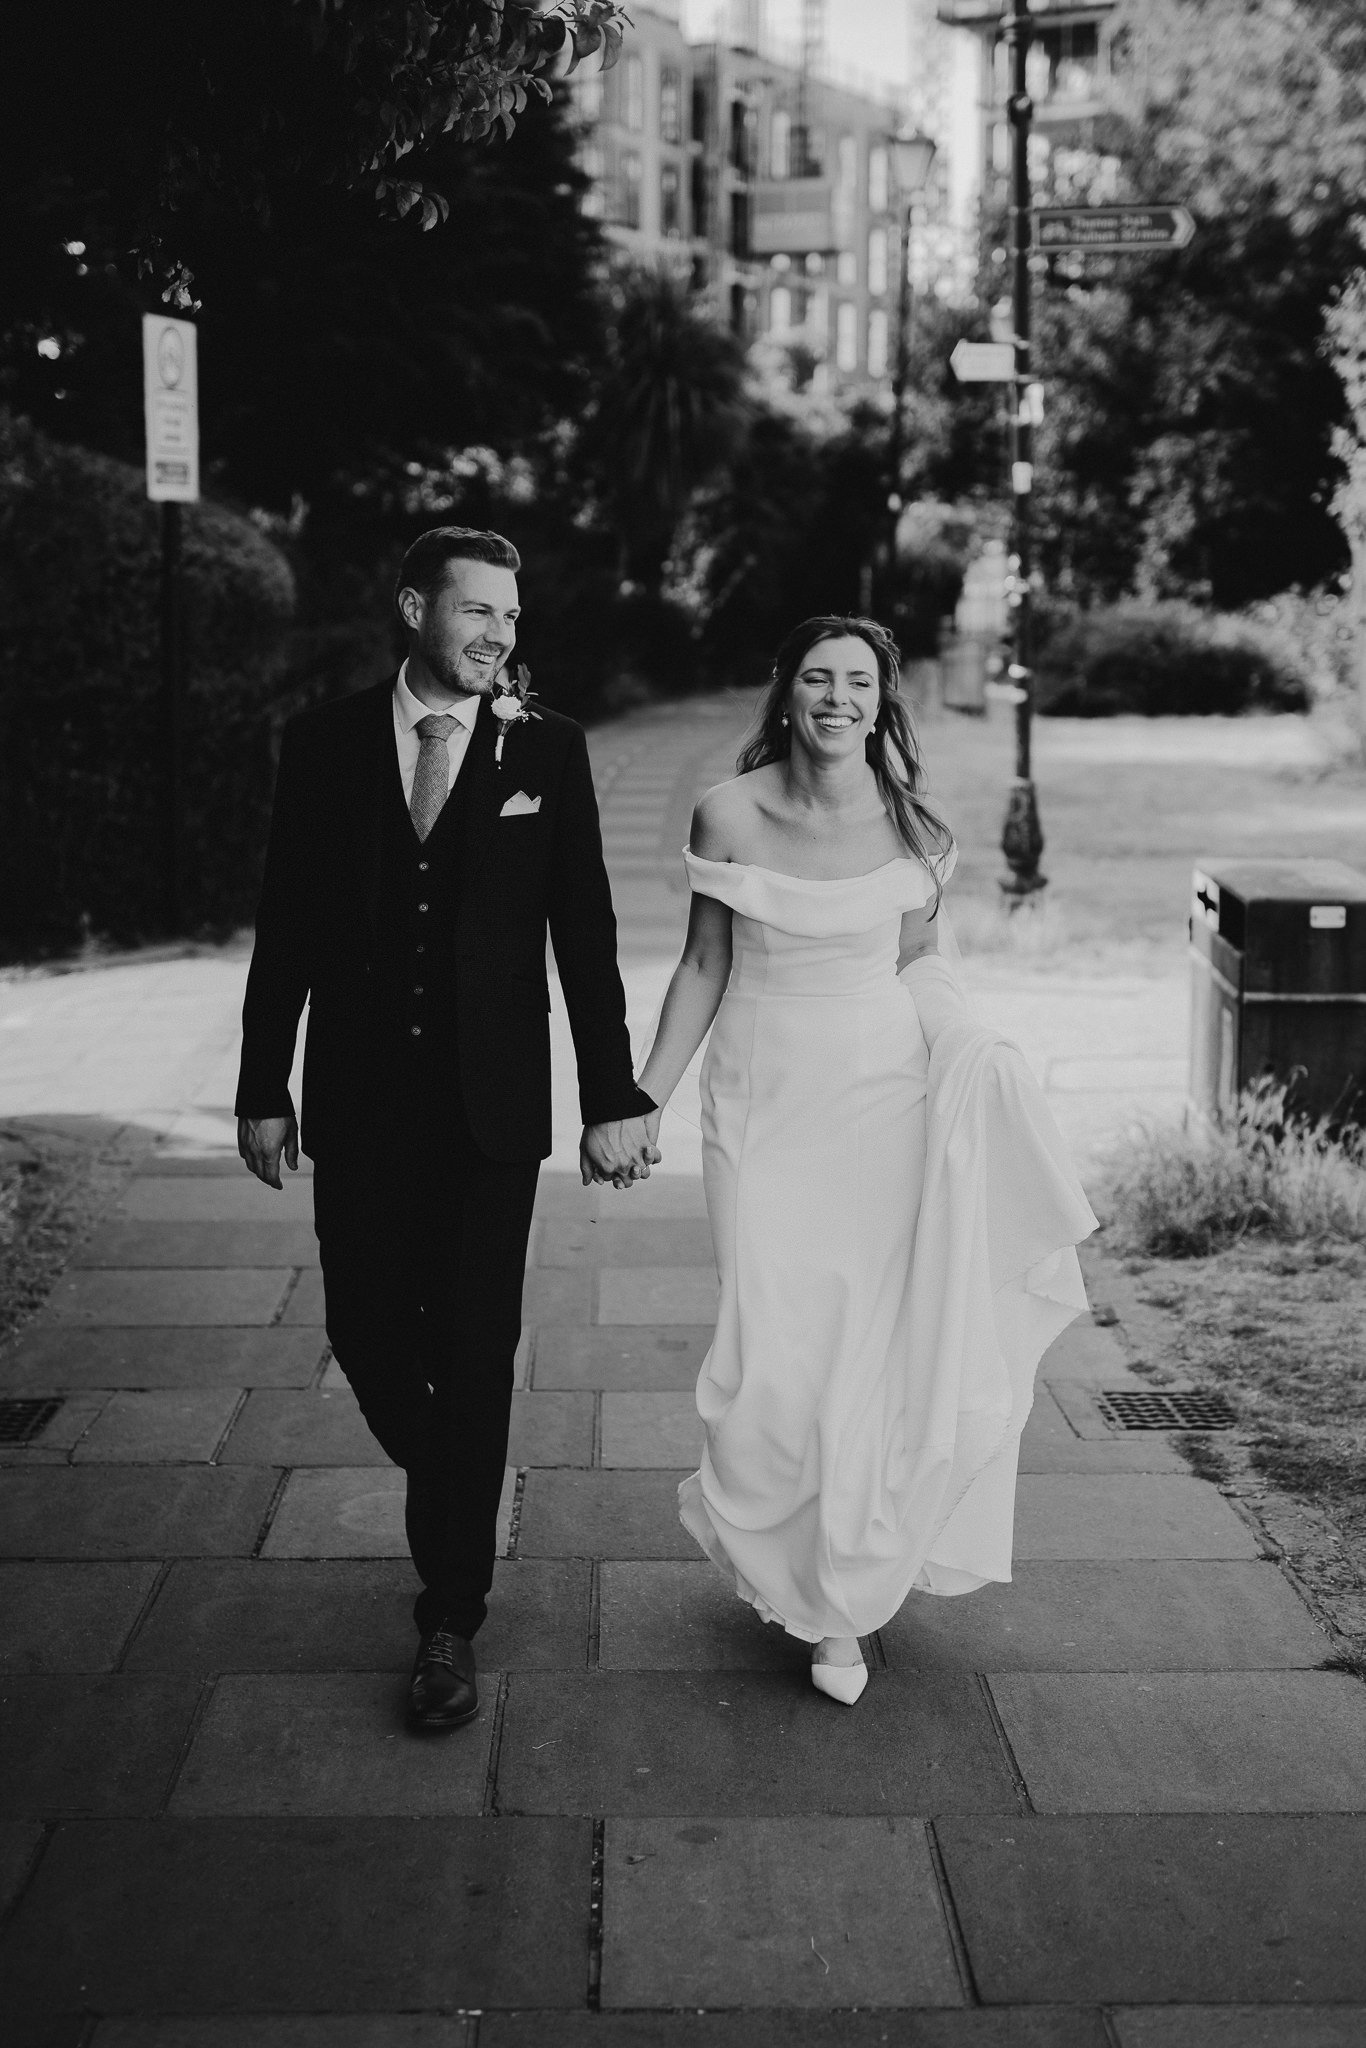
x=407, y=711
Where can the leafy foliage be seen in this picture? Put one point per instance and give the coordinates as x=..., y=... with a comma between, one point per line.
x=1163, y=658
x=174, y=102
x=82, y=728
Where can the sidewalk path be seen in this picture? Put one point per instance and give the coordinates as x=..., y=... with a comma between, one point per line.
x=1115, y=1805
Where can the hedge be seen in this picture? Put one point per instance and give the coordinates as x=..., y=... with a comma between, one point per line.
x=82, y=733
x=1163, y=658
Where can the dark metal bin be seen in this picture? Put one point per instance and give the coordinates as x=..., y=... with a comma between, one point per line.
x=1278, y=984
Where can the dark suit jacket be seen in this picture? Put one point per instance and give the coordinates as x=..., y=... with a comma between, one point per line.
x=318, y=940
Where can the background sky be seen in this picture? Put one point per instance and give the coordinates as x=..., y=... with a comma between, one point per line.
x=870, y=35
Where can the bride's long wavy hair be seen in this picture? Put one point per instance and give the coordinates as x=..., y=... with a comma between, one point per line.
x=891, y=748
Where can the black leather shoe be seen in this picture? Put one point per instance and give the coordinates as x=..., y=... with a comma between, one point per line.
x=443, y=1692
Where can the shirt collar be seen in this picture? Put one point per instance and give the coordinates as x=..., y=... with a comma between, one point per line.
x=410, y=708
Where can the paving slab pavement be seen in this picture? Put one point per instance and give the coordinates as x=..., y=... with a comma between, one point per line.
x=1115, y=1804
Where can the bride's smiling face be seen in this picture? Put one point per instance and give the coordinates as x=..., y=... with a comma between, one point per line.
x=833, y=702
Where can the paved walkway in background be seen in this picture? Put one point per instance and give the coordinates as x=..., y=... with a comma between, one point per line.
x=1117, y=1804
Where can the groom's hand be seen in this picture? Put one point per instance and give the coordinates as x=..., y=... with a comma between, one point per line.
x=621, y=1152
x=261, y=1140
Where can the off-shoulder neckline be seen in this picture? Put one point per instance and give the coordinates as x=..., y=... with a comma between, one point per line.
x=807, y=881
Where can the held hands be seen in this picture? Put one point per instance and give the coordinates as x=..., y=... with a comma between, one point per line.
x=621, y=1152
x=261, y=1140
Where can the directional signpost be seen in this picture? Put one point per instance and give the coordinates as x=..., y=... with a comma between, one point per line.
x=1112, y=227
x=170, y=385
x=983, y=362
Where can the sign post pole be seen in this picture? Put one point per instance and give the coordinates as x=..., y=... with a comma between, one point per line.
x=171, y=404
x=1021, y=834
x=173, y=708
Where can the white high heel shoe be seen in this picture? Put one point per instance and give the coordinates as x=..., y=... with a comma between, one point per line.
x=842, y=1682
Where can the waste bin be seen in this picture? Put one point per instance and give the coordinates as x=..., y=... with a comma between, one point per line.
x=1278, y=984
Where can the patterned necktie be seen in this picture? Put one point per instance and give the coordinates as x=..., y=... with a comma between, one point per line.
x=431, y=783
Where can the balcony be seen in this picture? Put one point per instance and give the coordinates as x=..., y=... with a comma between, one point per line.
x=793, y=217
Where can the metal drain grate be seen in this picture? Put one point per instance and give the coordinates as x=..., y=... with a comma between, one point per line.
x=1166, y=1410
x=21, y=1421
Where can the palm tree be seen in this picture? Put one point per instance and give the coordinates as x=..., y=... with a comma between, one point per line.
x=671, y=407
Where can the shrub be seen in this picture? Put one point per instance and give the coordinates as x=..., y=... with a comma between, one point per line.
x=934, y=545
x=1178, y=1194
x=1163, y=658
x=82, y=731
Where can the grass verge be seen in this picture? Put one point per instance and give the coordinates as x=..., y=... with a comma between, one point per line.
x=57, y=1175
x=1245, y=1251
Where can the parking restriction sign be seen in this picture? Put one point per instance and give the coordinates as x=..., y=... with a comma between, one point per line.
x=170, y=383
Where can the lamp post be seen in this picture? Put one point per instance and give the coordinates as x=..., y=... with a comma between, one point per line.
x=1021, y=835
x=912, y=157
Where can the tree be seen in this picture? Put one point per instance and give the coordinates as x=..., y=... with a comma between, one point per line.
x=670, y=408
x=1345, y=346
x=172, y=101
x=1188, y=446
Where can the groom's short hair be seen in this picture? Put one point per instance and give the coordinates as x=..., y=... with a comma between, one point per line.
x=426, y=562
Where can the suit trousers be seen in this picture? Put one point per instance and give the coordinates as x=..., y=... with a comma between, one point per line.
x=423, y=1248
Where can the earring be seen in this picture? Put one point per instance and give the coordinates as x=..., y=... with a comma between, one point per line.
x=784, y=718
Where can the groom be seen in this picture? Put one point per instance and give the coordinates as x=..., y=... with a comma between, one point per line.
x=410, y=879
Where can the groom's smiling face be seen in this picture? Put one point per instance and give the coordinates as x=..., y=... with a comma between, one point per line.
x=464, y=632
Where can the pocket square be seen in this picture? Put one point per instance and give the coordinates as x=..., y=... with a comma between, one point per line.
x=520, y=806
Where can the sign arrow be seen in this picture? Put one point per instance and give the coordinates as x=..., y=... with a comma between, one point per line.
x=983, y=362
x=1112, y=227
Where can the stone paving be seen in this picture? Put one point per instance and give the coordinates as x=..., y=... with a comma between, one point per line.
x=1117, y=1804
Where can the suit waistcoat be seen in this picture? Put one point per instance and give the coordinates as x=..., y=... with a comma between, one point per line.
x=415, y=965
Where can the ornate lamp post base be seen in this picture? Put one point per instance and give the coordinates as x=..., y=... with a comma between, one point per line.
x=1022, y=843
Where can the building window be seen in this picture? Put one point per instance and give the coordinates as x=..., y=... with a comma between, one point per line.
x=741, y=132
x=739, y=224
x=670, y=200
x=633, y=91
x=701, y=210
x=779, y=310
x=877, y=179
x=629, y=181
x=701, y=101
x=877, y=342
x=877, y=260
x=1039, y=72
x=780, y=145
x=593, y=166
x=588, y=96
x=846, y=335
x=818, y=318
x=846, y=269
x=670, y=103
x=848, y=162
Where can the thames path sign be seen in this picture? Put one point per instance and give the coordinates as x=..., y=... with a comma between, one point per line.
x=1112, y=227
x=170, y=390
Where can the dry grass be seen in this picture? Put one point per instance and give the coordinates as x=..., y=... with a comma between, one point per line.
x=1183, y=1193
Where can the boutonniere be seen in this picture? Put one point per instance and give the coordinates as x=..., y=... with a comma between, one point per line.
x=511, y=705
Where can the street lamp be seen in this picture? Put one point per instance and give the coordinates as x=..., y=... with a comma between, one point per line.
x=1021, y=835
x=912, y=157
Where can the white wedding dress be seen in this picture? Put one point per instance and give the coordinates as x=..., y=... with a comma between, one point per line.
x=893, y=1233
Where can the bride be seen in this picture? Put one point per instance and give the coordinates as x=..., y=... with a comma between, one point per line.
x=892, y=1209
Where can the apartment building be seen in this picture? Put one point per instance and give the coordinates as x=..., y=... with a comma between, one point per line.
x=637, y=145
x=764, y=178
